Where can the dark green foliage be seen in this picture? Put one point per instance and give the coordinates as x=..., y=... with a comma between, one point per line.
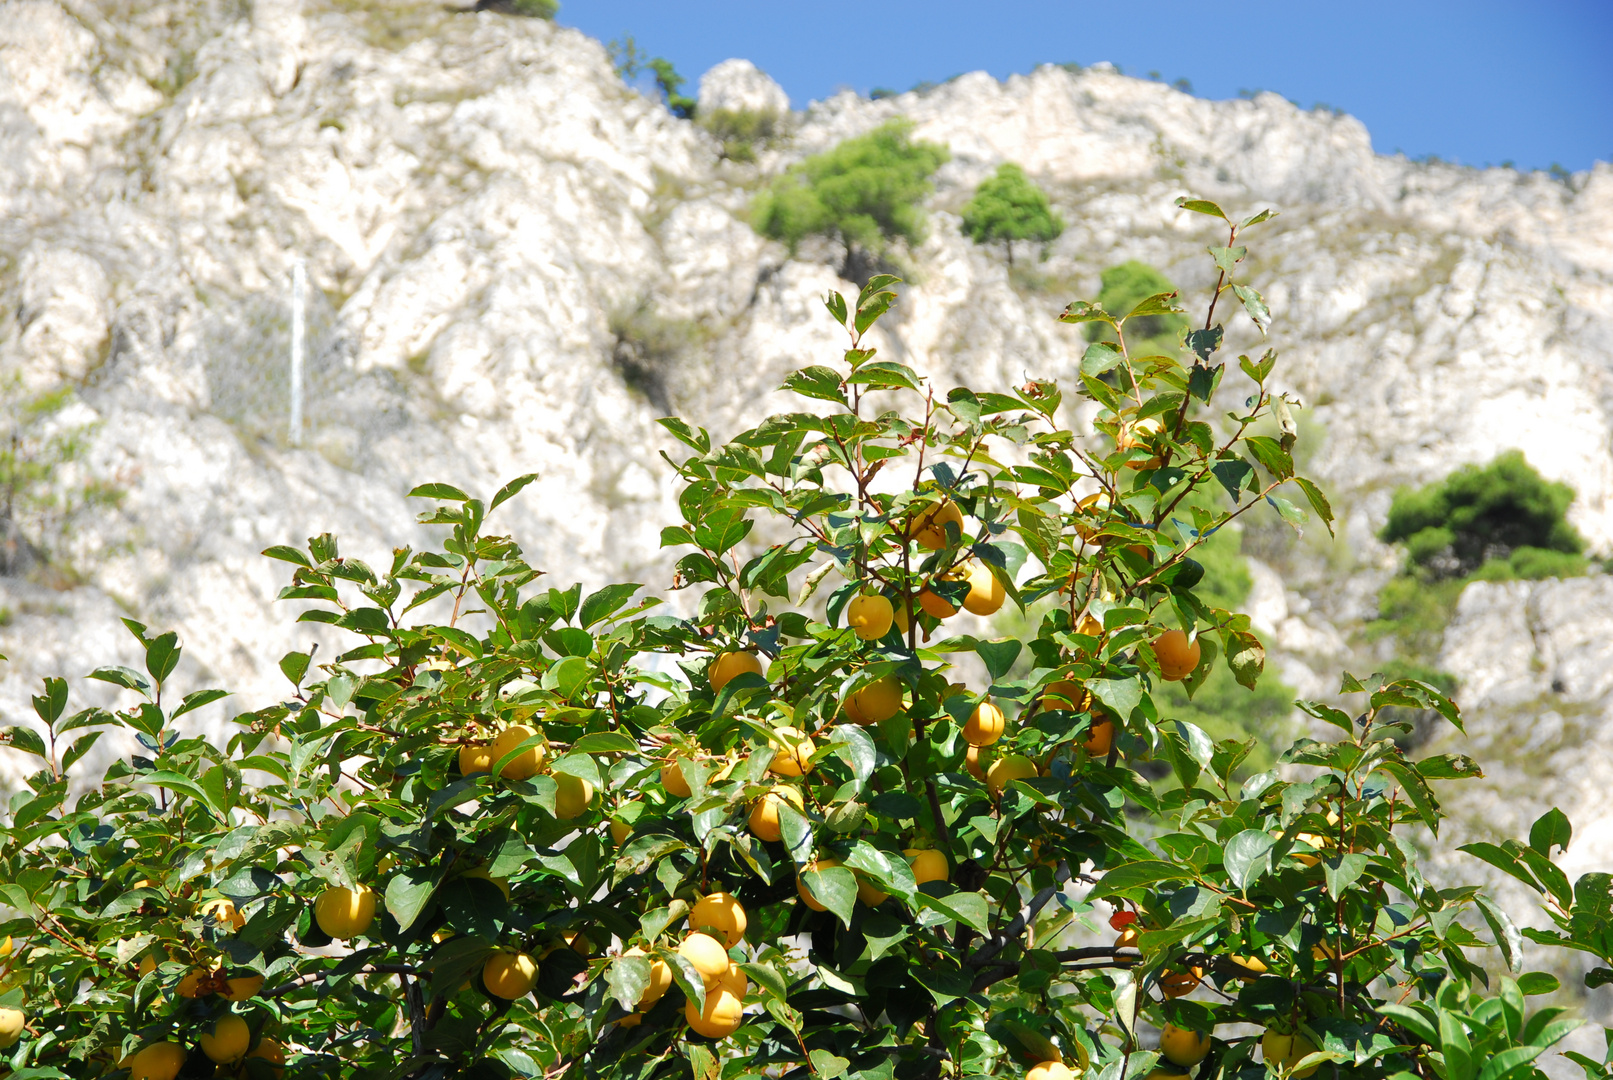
x=1124, y=287
x=1010, y=207
x=1503, y=511
x=865, y=193
x=532, y=9
x=630, y=61
x=670, y=83
x=741, y=130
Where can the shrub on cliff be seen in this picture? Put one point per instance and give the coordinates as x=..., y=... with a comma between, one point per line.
x=517, y=829
x=1009, y=207
x=1124, y=287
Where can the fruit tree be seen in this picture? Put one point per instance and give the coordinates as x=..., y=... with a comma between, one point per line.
x=811, y=827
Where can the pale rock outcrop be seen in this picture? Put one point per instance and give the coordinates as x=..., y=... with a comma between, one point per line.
x=740, y=86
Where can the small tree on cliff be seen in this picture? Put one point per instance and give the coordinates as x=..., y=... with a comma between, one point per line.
x=521, y=830
x=1010, y=207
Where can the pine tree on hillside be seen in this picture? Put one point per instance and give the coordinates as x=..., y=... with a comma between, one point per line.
x=1010, y=207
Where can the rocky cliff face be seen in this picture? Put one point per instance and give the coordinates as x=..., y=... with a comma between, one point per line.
x=517, y=263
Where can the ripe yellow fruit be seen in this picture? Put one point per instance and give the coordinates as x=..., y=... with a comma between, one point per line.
x=660, y=979
x=870, y=615
x=190, y=986
x=707, y=955
x=476, y=758
x=986, y=593
x=876, y=702
x=620, y=831
x=935, y=604
x=1090, y=511
x=1128, y=938
x=509, y=975
x=1252, y=964
x=1163, y=1072
x=242, y=987
x=271, y=1051
x=801, y=886
x=672, y=779
x=867, y=893
x=723, y=1014
x=526, y=764
x=1180, y=1046
x=1175, y=984
x=1135, y=433
x=764, y=823
x=227, y=1041
x=929, y=527
x=972, y=762
x=11, y=1027
x=1009, y=768
x=1065, y=696
x=721, y=916
x=1050, y=1070
x=1176, y=655
x=345, y=913
x=730, y=665
x=794, y=758
x=223, y=912
x=733, y=980
x=1100, y=737
x=159, y=1061
x=1317, y=842
x=927, y=864
x=481, y=873
x=985, y=725
x=573, y=796
x=1283, y=1051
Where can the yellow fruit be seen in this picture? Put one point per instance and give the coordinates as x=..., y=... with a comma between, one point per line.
x=672, y=779
x=801, y=886
x=971, y=761
x=733, y=980
x=1100, y=737
x=707, y=955
x=870, y=616
x=1128, y=937
x=721, y=916
x=729, y=665
x=764, y=823
x=159, y=1061
x=868, y=894
x=620, y=831
x=1324, y=951
x=242, y=987
x=986, y=593
x=1252, y=964
x=1065, y=696
x=1050, y=1070
x=227, y=1041
x=876, y=702
x=1090, y=512
x=794, y=758
x=1182, y=1047
x=929, y=526
x=509, y=975
x=927, y=864
x=1175, y=984
x=1317, y=842
x=148, y=964
x=723, y=1014
x=985, y=725
x=191, y=985
x=271, y=1051
x=345, y=913
x=1135, y=433
x=660, y=979
x=1006, y=769
x=223, y=912
x=481, y=874
x=1176, y=655
x=1282, y=1052
x=526, y=764
x=935, y=604
x=1165, y=1073
x=11, y=1026
x=573, y=796
x=476, y=758
x=631, y=1020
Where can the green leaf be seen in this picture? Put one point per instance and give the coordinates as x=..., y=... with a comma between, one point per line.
x=968, y=908
x=998, y=656
x=628, y=977
x=439, y=491
x=1318, y=501
x=286, y=554
x=835, y=888
x=1246, y=656
x=25, y=739
x=196, y=699
x=1255, y=305
x=124, y=677
x=606, y=602
x=1201, y=206
x=1246, y=856
x=1342, y=871
x=1159, y=304
x=826, y=1065
x=887, y=375
x=1505, y=931
x=1101, y=356
x=408, y=893
x=510, y=490
x=817, y=382
x=836, y=305
x=700, y=443
x=1120, y=695
x=1143, y=872
x=1551, y=829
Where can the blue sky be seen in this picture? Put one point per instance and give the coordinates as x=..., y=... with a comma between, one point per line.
x=1479, y=82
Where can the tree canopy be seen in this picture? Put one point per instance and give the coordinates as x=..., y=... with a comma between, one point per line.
x=1124, y=287
x=1009, y=207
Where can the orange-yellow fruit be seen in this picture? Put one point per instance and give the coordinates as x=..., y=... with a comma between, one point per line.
x=620, y=831
x=707, y=955
x=1007, y=769
x=660, y=979
x=1065, y=696
x=721, y=916
x=1128, y=937
x=1252, y=964
x=764, y=823
x=1050, y=1070
x=801, y=886
x=868, y=893
x=1135, y=433
x=631, y=1020
x=1090, y=512
x=271, y=1051
x=242, y=987
x=871, y=616
x=929, y=526
x=730, y=665
x=526, y=764
x=159, y=1061
x=1100, y=737
x=12, y=1023
x=1175, y=984
x=345, y=913
x=190, y=986
x=476, y=758
x=572, y=796
x=985, y=725
x=875, y=702
x=227, y=1041
x=672, y=779
x=1176, y=655
x=734, y=981
x=1317, y=842
x=986, y=593
x=1283, y=1051
x=935, y=604
x=794, y=758
x=1179, y=1046
x=723, y=1014
x=222, y=911
x=509, y=975
x=971, y=761
x=927, y=864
